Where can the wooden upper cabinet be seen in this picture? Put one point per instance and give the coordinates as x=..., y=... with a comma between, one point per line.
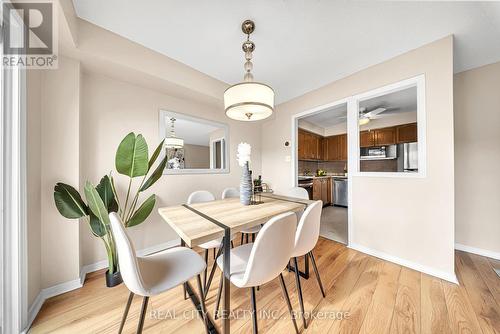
x=406, y=133
x=366, y=138
x=385, y=136
x=343, y=147
x=301, y=148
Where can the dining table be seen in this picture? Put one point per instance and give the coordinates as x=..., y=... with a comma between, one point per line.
x=202, y=222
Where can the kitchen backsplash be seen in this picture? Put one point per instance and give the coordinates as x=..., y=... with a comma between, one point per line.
x=328, y=166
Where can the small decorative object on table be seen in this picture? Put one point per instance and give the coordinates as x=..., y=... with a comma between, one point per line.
x=244, y=151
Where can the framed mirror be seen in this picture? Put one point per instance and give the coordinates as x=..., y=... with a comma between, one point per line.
x=194, y=145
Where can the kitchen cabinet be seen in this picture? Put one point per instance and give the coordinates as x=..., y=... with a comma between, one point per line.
x=310, y=146
x=366, y=139
x=301, y=146
x=385, y=136
x=322, y=190
x=406, y=133
x=336, y=148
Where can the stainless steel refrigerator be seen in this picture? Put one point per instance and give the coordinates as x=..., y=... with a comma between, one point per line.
x=408, y=157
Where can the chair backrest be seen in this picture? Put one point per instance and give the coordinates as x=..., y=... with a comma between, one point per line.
x=230, y=193
x=200, y=196
x=272, y=250
x=298, y=192
x=308, y=229
x=127, y=258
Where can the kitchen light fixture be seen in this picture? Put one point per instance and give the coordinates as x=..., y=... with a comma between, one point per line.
x=364, y=120
x=248, y=100
x=172, y=141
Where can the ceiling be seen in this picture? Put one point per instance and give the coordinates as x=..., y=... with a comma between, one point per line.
x=193, y=133
x=402, y=101
x=300, y=45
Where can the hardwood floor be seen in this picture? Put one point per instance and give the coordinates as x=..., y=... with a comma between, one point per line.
x=363, y=295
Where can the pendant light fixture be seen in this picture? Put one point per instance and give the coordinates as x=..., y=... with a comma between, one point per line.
x=172, y=141
x=248, y=100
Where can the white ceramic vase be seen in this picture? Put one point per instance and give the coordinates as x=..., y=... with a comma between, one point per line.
x=246, y=186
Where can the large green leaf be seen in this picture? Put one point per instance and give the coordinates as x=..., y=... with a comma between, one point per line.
x=96, y=204
x=132, y=156
x=105, y=191
x=155, y=155
x=158, y=172
x=68, y=201
x=143, y=212
x=97, y=226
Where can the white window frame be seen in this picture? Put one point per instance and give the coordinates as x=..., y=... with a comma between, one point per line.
x=13, y=234
x=353, y=128
x=222, y=141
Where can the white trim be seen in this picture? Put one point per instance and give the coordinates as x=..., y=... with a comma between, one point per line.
x=163, y=133
x=78, y=283
x=478, y=251
x=419, y=82
x=405, y=263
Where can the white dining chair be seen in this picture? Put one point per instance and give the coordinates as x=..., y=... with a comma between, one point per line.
x=306, y=237
x=202, y=196
x=298, y=192
x=153, y=274
x=230, y=193
x=257, y=263
x=235, y=193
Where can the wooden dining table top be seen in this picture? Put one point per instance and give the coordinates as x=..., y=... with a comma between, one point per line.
x=195, y=229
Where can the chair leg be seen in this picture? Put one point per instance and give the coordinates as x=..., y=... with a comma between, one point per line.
x=125, y=313
x=317, y=273
x=185, y=291
x=287, y=300
x=254, y=311
x=299, y=291
x=246, y=238
x=202, y=303
x=219, y=294
x=143, y=314
x=212, y=272
x=205, y=272
x=253, y=237
x=232, y=245
x=214, y=253
x=241, y=242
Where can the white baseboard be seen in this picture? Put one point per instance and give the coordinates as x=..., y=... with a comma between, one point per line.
x=405, y=263
x=78, y=283
x=478, y=251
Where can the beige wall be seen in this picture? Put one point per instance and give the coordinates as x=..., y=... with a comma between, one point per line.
x=196, y=156
x=60, y=128
x=416, y=226
x=112, y=108
x=33, y=180
x=477, y=156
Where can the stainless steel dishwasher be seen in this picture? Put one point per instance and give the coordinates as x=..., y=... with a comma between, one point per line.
x=340, y=192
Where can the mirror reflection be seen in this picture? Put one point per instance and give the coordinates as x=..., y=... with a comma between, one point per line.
x=193, y=145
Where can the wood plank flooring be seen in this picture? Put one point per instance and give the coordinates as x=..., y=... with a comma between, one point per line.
x=363, y=295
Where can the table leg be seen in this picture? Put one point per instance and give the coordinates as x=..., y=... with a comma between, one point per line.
x=227, y=284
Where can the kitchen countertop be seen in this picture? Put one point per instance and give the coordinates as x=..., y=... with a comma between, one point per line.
x=322, y=177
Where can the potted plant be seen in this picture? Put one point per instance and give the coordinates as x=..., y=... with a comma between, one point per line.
x=132, y=161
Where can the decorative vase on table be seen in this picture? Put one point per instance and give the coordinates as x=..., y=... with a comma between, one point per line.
x=246, y=186
x=244, y=152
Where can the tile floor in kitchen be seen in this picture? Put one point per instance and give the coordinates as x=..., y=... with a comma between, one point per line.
x=334, y=223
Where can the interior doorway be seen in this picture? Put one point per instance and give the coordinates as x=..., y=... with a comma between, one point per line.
x=320, y=165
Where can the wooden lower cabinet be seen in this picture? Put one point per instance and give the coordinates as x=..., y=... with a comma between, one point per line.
x=322, y=190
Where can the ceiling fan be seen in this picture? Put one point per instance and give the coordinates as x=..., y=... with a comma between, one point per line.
x=365, y=115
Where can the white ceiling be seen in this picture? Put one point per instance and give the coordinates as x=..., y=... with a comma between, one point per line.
x=402, y=101
x=193, y=133
x=300, y=45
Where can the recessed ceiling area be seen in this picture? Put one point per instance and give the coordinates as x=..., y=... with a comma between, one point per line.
x=300, y=45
